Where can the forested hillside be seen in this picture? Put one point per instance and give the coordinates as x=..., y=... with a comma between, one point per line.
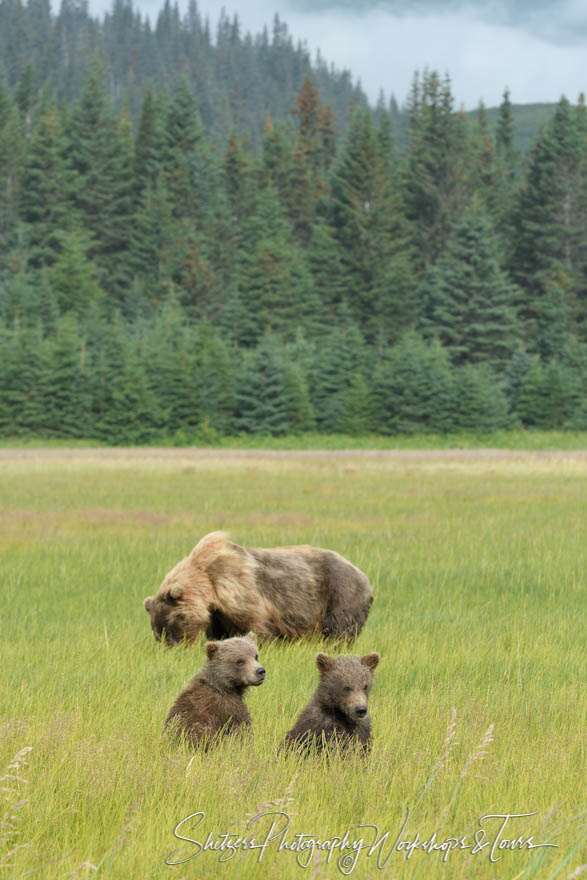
x=158, y=282
x=236, y=78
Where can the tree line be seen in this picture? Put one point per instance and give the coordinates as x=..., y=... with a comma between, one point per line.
x=156, y=283
x=236, y=77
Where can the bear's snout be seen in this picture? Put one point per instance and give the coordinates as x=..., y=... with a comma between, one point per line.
x=360, y=711
x=261, y=673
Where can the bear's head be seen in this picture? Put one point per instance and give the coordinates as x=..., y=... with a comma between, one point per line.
x=180, y=609
x=345, y=683
x=233, y=664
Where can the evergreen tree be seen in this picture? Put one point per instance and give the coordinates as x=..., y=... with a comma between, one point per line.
x=262, y=402
x=11, y=158
x=167, y=358
x=414, y=389
x=356, y=414
x=183, y=133
x=47, y=189
x=544, y=396
x=23, y=382
x=130, y=413
x=275, y=284
x=102, y=156
x=276, y=157
x=156, y=254
x=149, y=143
x=73, y=276
x=215, y=380
x=434, y=182
x=340, y=356
x=504, y=135
x=238, y=182
x=299, y=412
x=325, y=262
x=514, y=377
x=368, y=225
x=482, y=406
x=307, y=110
x=68, y=402
x=468, y=300
x=549, y=220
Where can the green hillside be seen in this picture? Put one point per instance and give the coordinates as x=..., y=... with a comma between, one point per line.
x=528, y=119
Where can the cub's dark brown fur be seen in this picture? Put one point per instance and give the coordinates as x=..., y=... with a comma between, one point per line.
x=336, y=716
x=213, y=700
x=226, y=590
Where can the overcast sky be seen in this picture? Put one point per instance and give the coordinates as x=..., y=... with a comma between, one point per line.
x=538, y=58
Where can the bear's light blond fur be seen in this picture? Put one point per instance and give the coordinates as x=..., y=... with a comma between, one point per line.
x=227, y=590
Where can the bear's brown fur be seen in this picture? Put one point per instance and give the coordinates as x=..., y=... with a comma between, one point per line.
x=336, y=716
x=227, y=590
x=213, y=703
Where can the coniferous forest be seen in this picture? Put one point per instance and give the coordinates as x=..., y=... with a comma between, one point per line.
x=213, y=234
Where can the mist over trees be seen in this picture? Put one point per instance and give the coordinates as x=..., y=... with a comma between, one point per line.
x=202, y=237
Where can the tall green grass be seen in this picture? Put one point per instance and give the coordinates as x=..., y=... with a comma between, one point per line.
x=478, y=707
x=514, y=438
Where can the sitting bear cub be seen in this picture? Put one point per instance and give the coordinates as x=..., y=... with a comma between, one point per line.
x=213, y=703
x=337, y=713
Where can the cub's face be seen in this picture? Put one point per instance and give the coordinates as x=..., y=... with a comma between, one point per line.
x=173, y=618
x=236, y=661
x=346, y=681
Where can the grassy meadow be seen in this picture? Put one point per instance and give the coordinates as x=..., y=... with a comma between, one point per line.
x=478, y=563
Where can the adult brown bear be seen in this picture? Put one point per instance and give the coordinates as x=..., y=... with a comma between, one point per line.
x=227, y=590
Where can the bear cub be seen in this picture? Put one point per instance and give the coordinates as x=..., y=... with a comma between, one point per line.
x=337, y=713
x=213, y=703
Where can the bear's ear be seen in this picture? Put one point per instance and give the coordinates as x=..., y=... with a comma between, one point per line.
x=324, y=662
x=251, y=636
x=371, y=660
x=210, y=648
x=175, y=591
x=148, y=603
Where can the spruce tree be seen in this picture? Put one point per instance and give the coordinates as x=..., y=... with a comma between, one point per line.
x=215, y=378
x=47, y=193
x=468, y=299
x=340, y=356
x=414, y=390
x=435, y=188
x=183, y=134
x=74, y=277
x=68, y=397
x=149, y=143
x=11, y=158
x=262, y=404
x=482, y=406
x=101, y=154
x=504, y=135
x=167, y=356
x=367, y=221
x=549, y=223
x=299, y=412
x=356, y=416
x=275, y=285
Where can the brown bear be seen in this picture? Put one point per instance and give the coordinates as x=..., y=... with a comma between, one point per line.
x=336, y=716
x=212, y=703
x=227, y=590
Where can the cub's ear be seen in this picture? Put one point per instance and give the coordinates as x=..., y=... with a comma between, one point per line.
x=251, y=636
x=148, y=603
x=324, y=662
x=210, y=648
x=371, y=660
x=175, y=591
